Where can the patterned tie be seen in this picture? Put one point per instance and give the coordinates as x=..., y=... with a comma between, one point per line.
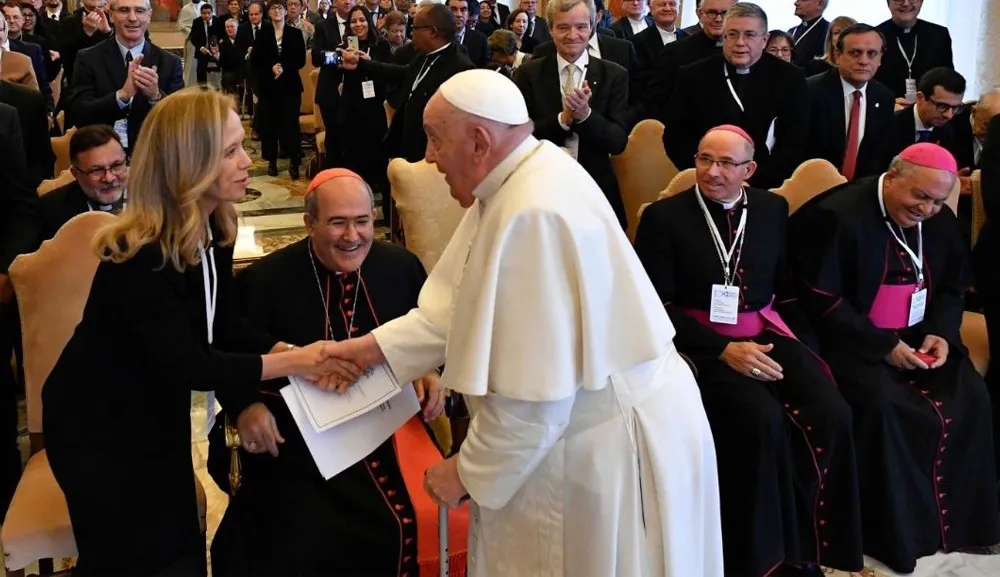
x=853, y=138
x=531, y=28
x=569, y=79
x=924, y=135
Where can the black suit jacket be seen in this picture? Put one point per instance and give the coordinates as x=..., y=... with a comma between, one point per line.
x=604, y=133
x=811, y=43
x=984, y=256
x=500, y=15
x=38, y=57
x=33, y=116
x=72, y=39
x=476, y=47
x=623, y=29
x=933, y=50
x=773, y=91
x=613, y=49
x=244, y=41
x=199, y=38
x=828, y=122
x=18, y=201
x=406, y=137
x=539, y=30
x=648, y=46
x=661, y=81
x=904, y=132
x=292, y=58
x=58, y=206
x=52, y=67
x=101, y=71
x=327, y=39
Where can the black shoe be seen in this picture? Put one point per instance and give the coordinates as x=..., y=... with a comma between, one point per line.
x=293, y=169
x=272, y=168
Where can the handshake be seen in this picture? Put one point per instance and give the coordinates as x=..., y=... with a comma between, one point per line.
x=334, y=365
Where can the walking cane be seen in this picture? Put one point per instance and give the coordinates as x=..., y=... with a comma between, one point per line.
x=443, y=540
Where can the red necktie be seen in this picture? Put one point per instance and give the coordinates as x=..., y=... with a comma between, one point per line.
x=853, y=139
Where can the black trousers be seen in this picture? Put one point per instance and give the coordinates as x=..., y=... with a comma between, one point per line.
x=331, y=155
x=10, y=455
x=277, y=122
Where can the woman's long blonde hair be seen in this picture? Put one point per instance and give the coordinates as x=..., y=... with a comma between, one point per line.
x=838, y=22
x=175, y=163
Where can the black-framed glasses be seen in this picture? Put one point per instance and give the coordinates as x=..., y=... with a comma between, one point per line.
x=423, y=26
x=116, y=169
x=714, y=14
x=943, y=107
x=706, y=161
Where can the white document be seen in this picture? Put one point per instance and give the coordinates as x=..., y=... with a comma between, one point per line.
x=329, y=409
x=339, y=447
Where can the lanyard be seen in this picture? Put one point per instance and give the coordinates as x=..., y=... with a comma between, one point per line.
x=909, y=60
x=325, y=298
x=211, y=285
x=810, y=29
x=430, y=63
x=732, y=90
x=725, y=256
x=916, y=258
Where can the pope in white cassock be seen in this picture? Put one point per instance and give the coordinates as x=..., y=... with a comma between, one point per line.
x=588, y=453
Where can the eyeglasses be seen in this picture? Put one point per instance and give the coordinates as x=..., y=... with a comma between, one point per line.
x=705, y=161
x=901, y=2
x=776, y=50
x=943, y=107
x=117, y=169
x=749, y=36
x=714, y=14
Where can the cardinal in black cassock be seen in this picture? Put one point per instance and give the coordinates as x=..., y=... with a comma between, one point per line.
x=373, y=518
x=865, y=253
x=784, y=447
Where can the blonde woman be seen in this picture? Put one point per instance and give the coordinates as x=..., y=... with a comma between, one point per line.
x=159, y=322
x=828, y=60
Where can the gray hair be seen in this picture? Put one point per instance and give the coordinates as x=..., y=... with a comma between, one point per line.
x=312, y=201
x=561, y=6
x=149, y=6
x=503, y=41
x=747, y=10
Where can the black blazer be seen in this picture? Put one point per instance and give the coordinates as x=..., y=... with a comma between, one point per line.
x=933, y=50
x=529, y=45
x=500, y=15
x=811, y=45
x=963, y=144
x=35, y=126
x=292, y=58
x=244, y=41
x=18, y=201
x=539, y=30
x=648, y=46
x=984, y=256
x=72, y=39
x=199, y=38
x=672, y=56
x=904, y=132
x=327, y=38
x=101, y=71
x=38, y=58
x=613, y=49
x=476, y=47
x=774, y=89
x=827, y=124
x=604, y=133
x=622, y=29
x=58, y=206
x=406, y=137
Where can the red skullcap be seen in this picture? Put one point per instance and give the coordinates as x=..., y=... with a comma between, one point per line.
x=930, y=156
x=330, y=174
x=734, y=129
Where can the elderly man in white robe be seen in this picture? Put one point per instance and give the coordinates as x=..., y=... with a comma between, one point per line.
x=588, y=452
x=190, y=12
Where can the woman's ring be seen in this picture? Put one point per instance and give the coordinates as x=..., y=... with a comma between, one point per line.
x=755, y=372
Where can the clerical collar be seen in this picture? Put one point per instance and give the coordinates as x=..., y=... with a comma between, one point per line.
x=727, y=205
x=489, y=186
x=114, y=206
x=739, y=71
x=433, y=52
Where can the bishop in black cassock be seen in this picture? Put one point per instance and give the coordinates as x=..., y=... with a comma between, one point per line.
x=285, y=518
x=923, y=435
x=784, y=448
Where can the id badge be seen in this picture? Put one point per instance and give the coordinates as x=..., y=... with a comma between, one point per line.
x=911, y=90
x=918, y=304
x=121, y=129
x=725, y=306
x=368, y=89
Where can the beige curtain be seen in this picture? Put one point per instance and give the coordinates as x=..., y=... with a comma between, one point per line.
x=988, y=63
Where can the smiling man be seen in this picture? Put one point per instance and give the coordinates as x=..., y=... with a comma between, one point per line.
x=118, y=81
x=883, y=271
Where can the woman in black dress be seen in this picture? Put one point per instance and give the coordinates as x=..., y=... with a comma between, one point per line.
x=158, y=323
x=279, y=52
x=361, y=120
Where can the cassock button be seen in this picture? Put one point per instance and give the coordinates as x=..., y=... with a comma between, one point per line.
x=822, y=503
x=346, y=301
x=350, y=313
x=942, y=495
x=947, y=421
x=746, y=288
x=374, y=464
x=923, y=391
x=938, y=462
x=349, y=287
x=354, y=329
x=938, y=403
x=946, y=435
x=826, y=543
x=944, y=511
x=787, y=405
x=407, y=520
x=826, y=470
x=407, y=559
x=398, y=507
x=908, y=269
x=408, y=540
x=809, y=428
x=390, y=493
x=819, y=450
x=382, y=480
x=939, y=478
x=822, y=522
x=795, y=411
x=741, y=271
x=943, y=449
x=947, y=527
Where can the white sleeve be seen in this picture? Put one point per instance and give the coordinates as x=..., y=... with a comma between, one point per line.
x=507, y=439
x=412, y=344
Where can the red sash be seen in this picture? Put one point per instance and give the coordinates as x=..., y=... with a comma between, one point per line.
x=416, y=453
x=891, y=308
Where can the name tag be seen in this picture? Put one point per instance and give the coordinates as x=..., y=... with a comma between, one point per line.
x=911, y=90
x=918, y=303
x=368, y=89
x=725, y=306
x=121, y=129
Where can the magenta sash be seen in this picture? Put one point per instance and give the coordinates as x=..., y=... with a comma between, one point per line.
x=891, y=308
x=748, y=325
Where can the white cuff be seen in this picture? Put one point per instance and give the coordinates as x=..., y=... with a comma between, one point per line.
x=561, y=125
x=507, y=439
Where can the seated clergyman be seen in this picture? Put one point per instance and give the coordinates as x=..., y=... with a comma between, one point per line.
x=285, y=519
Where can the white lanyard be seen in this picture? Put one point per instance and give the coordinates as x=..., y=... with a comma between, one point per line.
x=909, y=60
x=916, y=258
x=211, y=285
x=725, y=255
x=732, y=90
x=423, y=74
x=806, y=33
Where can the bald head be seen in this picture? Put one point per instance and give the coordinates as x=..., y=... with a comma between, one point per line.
x=984, y=110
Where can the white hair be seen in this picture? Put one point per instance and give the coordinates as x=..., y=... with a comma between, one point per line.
x=560, y=6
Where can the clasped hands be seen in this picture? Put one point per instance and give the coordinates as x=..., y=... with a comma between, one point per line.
x=905, y=358
x=140, y=79
x=576, y=105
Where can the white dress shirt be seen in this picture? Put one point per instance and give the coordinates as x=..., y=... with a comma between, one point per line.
x=667, y=37
x=593, y=48
x=638, y=25
x=919, y=124
x=849, y=101
x=343, y=26
x=581, y=64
